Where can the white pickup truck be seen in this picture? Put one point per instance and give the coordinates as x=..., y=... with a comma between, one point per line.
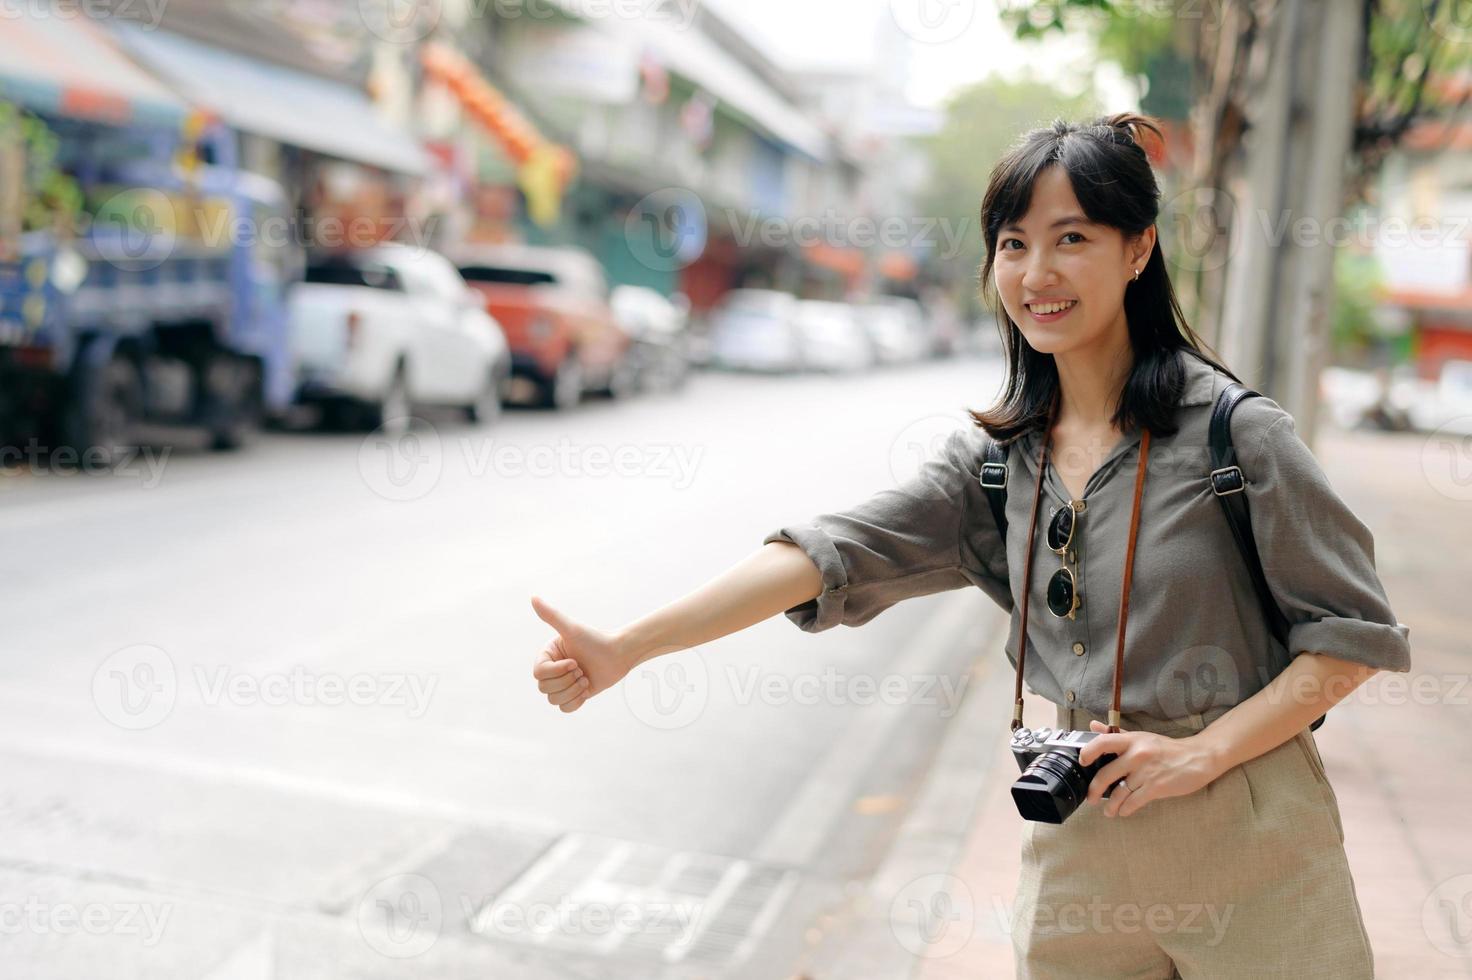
x=376, y=332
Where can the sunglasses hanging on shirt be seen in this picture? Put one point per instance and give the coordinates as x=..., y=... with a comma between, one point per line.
x=1064, y=598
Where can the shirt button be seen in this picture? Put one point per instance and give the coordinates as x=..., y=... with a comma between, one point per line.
x=1080, y=506
x=1078, y=648
x=1070, y=697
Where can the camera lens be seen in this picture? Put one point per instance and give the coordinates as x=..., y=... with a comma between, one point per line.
x=1051, y=788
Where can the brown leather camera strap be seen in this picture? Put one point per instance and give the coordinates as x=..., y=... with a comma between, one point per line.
x=1124, y=591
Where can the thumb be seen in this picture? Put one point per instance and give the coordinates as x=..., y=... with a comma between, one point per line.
x=551, y=616
x=1098, y=726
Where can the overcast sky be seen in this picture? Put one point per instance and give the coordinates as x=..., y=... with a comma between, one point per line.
x=953, y=43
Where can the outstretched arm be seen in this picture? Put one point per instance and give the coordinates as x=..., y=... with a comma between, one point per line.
x=772, y=579
x=581, y=662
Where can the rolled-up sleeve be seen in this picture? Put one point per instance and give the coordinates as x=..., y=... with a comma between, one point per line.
x=932, y=533
x=1318, y=557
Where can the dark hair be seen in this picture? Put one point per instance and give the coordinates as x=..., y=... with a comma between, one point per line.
x=1111, y=177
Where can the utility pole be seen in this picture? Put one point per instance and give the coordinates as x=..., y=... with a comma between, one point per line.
x=1290, y=187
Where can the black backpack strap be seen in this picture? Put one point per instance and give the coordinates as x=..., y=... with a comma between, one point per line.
x=1228, y=483
x=994, y=483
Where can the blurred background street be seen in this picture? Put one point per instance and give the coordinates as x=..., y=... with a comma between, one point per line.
x=162, y=750
x=333, y=330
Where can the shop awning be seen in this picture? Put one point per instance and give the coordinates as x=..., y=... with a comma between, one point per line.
x=279, y=103
x=67, y=65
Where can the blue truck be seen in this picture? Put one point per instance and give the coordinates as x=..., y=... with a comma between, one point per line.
x=159, y=308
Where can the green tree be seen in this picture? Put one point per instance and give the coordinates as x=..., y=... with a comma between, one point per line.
x=1411, y=56
x=1148, y=39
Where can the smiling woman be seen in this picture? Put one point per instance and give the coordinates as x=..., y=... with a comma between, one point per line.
x=1073, y=268
x=1218, y=797
x=1236, y=809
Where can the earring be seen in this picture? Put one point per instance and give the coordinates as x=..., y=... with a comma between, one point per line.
x=1137, y=273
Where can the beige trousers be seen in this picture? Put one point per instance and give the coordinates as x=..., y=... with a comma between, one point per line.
x=1245, y=878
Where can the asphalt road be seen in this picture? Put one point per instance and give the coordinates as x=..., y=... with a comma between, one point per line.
x=270, y=714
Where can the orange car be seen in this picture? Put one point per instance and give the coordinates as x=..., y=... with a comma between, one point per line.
x=553, y=305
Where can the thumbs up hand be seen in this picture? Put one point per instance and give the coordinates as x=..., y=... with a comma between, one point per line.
x=578, y=662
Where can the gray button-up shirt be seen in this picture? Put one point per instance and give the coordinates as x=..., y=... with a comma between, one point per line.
x=1197, y=641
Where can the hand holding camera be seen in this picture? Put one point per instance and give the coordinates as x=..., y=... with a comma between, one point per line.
x=1054, y=782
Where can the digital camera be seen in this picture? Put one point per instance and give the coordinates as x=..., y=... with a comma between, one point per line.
x=1053, y=782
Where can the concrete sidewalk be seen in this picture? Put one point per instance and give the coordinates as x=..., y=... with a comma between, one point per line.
x=1396, y=751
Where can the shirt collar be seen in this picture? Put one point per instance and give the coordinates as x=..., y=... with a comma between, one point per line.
x=1201, y=389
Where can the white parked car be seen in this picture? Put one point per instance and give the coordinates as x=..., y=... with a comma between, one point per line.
x=832, y=337
x=378, y=331
x=898, y=329
x=755, y=330
x=1445, y=403
x=1349, y=395
x=661, y=338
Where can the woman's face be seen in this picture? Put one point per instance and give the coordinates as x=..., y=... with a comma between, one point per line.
x=1055, y=253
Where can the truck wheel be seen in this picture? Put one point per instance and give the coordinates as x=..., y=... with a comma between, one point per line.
x=105, y=410
x=565, y=388
x=391, y=412
x=234, y=398
x=623, y=382
x=341, y=415
x=487, y=404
